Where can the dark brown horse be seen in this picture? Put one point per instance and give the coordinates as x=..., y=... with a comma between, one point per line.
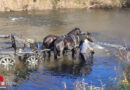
x=48, y=40
x=69, y=42
x=48, y=43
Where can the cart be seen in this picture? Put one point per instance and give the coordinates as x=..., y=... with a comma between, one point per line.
x=18, y=47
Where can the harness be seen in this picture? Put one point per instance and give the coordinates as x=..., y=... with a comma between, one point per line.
x=74, y=39
x=63, y=36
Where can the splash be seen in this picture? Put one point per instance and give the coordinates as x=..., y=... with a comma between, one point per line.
x=103, y=45
x=16, y=18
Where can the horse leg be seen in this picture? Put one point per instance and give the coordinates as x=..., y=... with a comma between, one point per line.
x=55, y=53
x=61, y=53
x=58, y=54
x=49, y=54
x=64, y=52
x=74, y=51
x=91, y=57
x=45, y=54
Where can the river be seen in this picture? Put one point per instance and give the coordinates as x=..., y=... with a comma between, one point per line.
x=110, y=26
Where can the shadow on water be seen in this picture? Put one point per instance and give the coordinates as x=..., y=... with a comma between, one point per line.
x=65, y=67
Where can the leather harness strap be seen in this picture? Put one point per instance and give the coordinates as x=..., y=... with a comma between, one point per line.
x=74, y=39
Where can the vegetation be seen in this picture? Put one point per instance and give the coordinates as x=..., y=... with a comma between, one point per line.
x=18, y=5
x=121, y=82
x=121, y=85
x=82, y=85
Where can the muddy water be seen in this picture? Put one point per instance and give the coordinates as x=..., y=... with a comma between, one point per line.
x=110, y=26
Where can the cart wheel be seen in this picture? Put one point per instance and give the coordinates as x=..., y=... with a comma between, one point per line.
x=7, y=61
x=32, y=60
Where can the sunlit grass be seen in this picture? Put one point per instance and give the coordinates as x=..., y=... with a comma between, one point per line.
x=124, y=56
x=82, y=85
x=121, y=85
x=18, y=5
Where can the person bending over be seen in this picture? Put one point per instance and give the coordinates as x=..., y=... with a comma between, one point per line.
x=86, y=52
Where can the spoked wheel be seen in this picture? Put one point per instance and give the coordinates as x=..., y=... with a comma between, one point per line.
x=32, y=60
x=7, y=62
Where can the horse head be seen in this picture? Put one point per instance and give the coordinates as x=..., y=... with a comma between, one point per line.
x=90, y=37
x=87, y=35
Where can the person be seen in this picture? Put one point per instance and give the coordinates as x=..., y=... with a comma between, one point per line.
x=86, y=52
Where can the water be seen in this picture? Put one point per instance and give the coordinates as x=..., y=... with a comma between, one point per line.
x=109, y=26
x=102, y=45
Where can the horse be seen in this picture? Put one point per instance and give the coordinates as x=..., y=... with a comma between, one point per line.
x=48, y=43
x=70, y=42
x=49, y=39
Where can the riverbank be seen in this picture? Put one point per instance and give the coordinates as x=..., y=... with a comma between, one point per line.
x=26, y=5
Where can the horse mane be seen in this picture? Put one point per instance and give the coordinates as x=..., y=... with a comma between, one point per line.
x=74, y=31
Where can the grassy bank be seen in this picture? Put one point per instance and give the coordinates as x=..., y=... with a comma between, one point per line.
x=19, y=5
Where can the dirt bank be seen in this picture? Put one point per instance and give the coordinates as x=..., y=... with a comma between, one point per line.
x=19, y=5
